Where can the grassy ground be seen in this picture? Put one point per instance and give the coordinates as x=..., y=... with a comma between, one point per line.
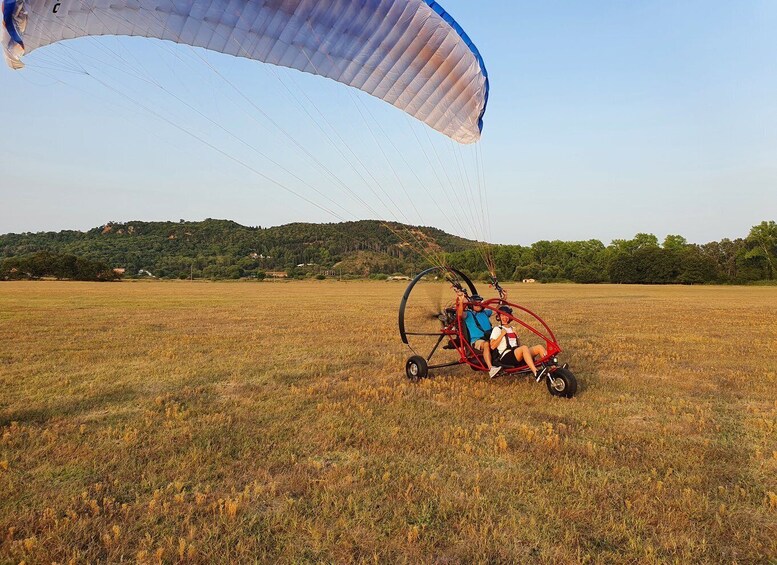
x=165, y=422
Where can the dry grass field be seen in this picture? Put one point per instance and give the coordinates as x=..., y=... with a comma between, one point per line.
x=272, y=422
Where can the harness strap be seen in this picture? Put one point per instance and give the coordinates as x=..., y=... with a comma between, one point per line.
x=509, y=347
x=474, y=317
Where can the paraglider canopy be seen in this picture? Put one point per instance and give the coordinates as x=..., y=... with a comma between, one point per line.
x=14, y=24
x=409, y=53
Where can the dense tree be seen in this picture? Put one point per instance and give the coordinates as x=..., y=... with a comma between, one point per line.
x=630, y=246
x=762, y=248
x=674, y=242
x=696, y=267
x=60, y=266
x=724, y=254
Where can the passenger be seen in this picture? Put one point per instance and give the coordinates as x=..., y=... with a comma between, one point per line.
x=478, y=325
x=508, y=345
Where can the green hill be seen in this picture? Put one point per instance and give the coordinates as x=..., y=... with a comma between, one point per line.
x=226, y=249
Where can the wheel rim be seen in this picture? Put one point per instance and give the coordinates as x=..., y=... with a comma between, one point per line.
x=558, y=384
x=413, y=369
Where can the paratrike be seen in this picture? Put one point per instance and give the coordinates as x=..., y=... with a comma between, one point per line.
x=439, y=334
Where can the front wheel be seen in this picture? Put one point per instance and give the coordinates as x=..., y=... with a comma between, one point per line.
x=561, y=382
x=416, y=368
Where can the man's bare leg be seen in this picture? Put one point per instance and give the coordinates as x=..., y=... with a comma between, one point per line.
x=487, y=354
x=483, y=346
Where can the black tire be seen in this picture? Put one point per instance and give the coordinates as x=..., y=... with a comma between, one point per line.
x=416, y=368
x=565, y=383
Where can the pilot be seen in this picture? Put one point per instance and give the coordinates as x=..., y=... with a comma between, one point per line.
x=477, y=320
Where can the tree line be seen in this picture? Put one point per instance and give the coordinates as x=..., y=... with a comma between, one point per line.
x=61, y=266
x=221, y=249
x=640, y=260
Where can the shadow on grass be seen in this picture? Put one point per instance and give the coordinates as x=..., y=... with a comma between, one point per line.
x=68, y=407
x=585, y=381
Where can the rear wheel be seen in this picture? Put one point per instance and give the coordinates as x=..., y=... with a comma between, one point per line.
x=416, y=368
x=561, y=382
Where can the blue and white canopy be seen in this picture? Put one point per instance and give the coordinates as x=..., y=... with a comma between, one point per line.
x=410, y=53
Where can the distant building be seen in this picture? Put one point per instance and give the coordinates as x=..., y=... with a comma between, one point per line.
x=278, y=274
x=398, y=278
x=119, y=270
x=529, y=281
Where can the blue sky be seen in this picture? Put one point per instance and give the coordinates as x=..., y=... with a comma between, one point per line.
x=605, y=119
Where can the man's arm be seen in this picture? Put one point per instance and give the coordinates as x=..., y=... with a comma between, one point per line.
x=460, y=299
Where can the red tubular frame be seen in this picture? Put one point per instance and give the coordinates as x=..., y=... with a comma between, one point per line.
x=468, y=354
